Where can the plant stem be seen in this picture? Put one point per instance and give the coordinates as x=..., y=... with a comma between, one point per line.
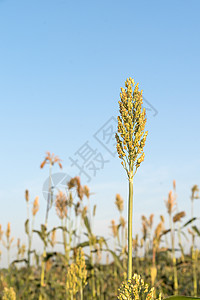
x=194, y=272
x=174, y=258
x=193, y=253
x=130, y=220
x=64, y=237
x=81, y=291
x=49, y=202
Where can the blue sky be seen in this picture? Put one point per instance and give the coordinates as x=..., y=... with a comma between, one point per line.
x=62, y=64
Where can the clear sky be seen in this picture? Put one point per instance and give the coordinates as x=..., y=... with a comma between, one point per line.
x=62, y=64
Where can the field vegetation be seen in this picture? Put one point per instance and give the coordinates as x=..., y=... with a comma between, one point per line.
x=88, y=268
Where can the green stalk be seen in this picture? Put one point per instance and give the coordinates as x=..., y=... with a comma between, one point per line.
x=64, y=237
x=81, y=291
x=193, y=253
x=174, y=258
x=130, y=220
x=194, y=272
x=49, y=202
x=30, y=241
x=8, y=255
x=92, y=275
x=27, y=205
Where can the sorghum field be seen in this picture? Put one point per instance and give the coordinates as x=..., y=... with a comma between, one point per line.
x=88, y=267
x=79, y=271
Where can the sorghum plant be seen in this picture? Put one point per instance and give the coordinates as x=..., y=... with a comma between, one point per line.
x=76, y=276
x=170, y=203
x=131, y=139
x=51, y=160
x=8, y=242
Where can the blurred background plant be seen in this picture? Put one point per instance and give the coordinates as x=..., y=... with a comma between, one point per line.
x=92, y=266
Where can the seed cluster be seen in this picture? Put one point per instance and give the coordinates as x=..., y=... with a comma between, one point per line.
x=131, y=136
x=9, y=294
x=77, y=274
x=136, y=289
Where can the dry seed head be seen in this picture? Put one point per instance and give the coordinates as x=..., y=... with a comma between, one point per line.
x=61, y=205
x=22, y=250
x=144, y=219
x=53, y=238
x=75, y=182
x=80, y=190
x=135, y=242
x=144, y=230
x=27, y=195
x=119, y=203
x=86, y=191
x=51, y=159
x=174, y=184
x=84, y=212
x=195, y=192
x=114, y=228
x=35, y=206
x=122, y=222
x=178, y=216
x=11, y=240
x=1, y=232
x=162, y=218
x=158, y=230
x=170, y=203
x=48, y=265
x=151, y=220
x=8, y=231
x=72, y=183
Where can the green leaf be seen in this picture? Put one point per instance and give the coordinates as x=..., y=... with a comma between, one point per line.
x=183, y=233
x=26, y=225
x=84, y=244
x=41, y=235
x=165, y=232
x=50, y=254
x=58, y=227
x=180, y=298
x=87, y=224
x=196, y=230
x=116, y=259
x=94, y=210
x=19, y=261
x=188, y=222
x=43, y=229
